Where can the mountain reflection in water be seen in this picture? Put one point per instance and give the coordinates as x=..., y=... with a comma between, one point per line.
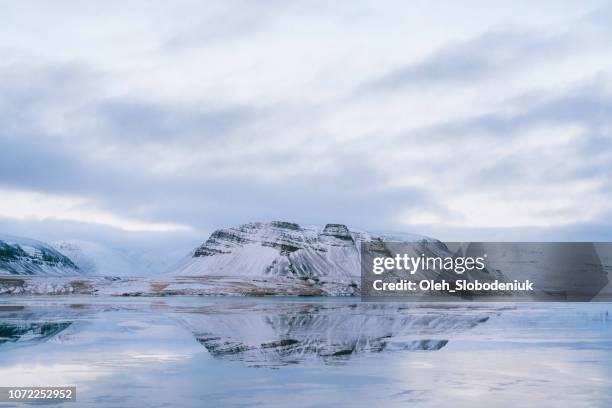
x=278, y=352
x=268, y=333
x=288, y=333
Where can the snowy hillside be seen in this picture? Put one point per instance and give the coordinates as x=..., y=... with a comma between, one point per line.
x=97, y=260
x=280, y=249
x=22, y=256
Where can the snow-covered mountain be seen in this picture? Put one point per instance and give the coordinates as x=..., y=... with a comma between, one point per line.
x=98, y=259
x=94, y=259
x=278, y=249
x=23, y=256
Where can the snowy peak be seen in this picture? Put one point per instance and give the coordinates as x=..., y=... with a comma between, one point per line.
x=22, y=256
x=287, y=237
x=338, y=231
x=279, y=248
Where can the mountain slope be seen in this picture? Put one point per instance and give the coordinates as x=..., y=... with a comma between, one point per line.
x=22, y=256
x=100, y=259
x=94, y=259
x=280, y=249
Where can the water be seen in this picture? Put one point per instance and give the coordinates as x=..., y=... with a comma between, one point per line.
x=194, y=352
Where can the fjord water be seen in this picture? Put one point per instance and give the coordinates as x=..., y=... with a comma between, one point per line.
x=315, y=352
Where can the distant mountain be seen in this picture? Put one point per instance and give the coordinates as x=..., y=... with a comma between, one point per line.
x=281, y=249
x=23, y=256
x=98, y=259
x=94, y=259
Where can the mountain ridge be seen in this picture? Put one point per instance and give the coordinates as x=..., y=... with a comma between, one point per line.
x=281, y=249
x=26, y=256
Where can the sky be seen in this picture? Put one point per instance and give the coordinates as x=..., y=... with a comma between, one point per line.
x=162, y=121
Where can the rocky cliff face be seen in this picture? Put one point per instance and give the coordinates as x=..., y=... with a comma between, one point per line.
x=280, y=249
x=21, y=256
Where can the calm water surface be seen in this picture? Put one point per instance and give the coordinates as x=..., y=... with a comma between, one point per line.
x=186, y=351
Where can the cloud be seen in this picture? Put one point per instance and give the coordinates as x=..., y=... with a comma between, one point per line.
x=489, y=55
x=142, y=121
x=107, y=172
x=222, y=24
x=225, y=114
x=27, y=205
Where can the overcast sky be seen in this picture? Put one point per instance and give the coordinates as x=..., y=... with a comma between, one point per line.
x=464, y=120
